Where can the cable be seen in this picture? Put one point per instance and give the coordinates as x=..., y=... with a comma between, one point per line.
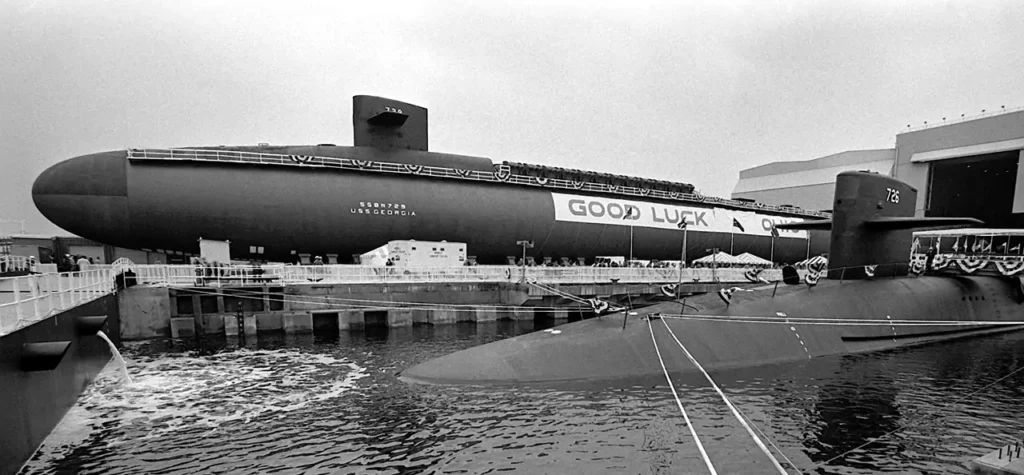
x=841, y=321
x=904, y=426
x=385, y=307
x=693, y=432
x=735, y=412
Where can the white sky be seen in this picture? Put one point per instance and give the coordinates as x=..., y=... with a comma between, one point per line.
x=686, y=91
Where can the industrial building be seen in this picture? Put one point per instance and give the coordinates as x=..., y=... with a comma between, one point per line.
x=48, y=249
x=969, y=167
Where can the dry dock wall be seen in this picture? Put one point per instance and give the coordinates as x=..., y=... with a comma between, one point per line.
x=36, y=401
x=160, y=312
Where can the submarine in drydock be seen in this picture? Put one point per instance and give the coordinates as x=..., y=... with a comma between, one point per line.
x=868, y=300
x=277, y=203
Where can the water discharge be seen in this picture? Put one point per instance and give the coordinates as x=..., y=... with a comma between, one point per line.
x=335, y=406
x=117, y=356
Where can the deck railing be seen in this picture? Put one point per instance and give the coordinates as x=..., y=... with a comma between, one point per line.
x=502, y=174
x=28, y=299
x=188, y=275
x=9, y=263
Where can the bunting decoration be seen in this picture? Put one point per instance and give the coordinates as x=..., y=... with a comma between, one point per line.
x=1010, y=268
x=301, y=158
x=414, y=169
x=363, y=163
x=542, y=181
x=939, y=262
x=811, y=279
x=917, y=267
x=669, y=290
x=971, y=265
x=645, y=191
x=463, y=173
x=601, y=307
x=754, y=275
x=726, y=294
x=613, y=188
x=870, y=270
x=956, y=245
x=674, y=195
x=578, y=185
x=504, y=173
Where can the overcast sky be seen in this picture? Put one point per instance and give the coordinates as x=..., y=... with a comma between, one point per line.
x=686, y=91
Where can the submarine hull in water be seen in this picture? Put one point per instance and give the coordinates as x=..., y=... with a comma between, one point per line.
x=601, y=349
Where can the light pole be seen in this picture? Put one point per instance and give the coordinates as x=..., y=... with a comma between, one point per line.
x=525, y=244
x=682, y=257
x=714, y=263
x=629, y=216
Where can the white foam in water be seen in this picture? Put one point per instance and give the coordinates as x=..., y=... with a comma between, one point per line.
x=175, y=392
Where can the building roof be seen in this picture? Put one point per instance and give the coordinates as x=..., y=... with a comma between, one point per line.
x=812, y=172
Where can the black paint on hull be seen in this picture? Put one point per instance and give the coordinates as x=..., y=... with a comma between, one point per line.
x=600, y=349
x=36, y=401
x=170, y=205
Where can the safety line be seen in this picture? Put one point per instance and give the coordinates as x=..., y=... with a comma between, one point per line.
x=850, y=323
x=777, y=449
x=693, y=432
x=814, y=319
x=919, y=418
x=735, y=412
x=229, y=292
x=497, y=309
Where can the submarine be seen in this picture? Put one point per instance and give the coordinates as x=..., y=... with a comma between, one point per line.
x=277, y=203
x=870, y=298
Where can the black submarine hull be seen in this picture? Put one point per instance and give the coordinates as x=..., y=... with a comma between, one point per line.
x=169, y=205
x=601, y=349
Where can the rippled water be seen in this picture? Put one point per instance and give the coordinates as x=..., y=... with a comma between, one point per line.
x=304, y=405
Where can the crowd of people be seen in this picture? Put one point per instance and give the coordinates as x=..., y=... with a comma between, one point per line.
x=74, y=263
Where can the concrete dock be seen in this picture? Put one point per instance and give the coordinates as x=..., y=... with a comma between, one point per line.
x=1004, y=461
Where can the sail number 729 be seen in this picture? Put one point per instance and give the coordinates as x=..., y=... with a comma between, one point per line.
x=893, y=195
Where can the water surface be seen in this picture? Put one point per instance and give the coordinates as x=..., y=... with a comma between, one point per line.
x=333, y=405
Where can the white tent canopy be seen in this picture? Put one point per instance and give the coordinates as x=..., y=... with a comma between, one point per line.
x=748, y=258
x=720, y=258
x=816, y=260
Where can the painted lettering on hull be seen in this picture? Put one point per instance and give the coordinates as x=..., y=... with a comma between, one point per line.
x=617, y=212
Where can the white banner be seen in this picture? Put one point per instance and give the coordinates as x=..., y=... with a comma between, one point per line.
x=619, y=212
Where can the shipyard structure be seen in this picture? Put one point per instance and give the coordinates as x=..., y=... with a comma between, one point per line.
x=289, y=203
x=969, y=166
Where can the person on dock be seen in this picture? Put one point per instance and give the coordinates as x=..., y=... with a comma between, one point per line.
x=929, y=256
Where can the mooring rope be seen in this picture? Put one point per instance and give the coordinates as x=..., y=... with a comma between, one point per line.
x=836, y=321
x=362, y=303
x=557, y=292
x=922, y=417
x=693, y=432
x=735, y=412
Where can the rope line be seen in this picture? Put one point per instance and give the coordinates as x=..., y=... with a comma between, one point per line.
x=693, y=432
x=777, y=449
x=922, y=417
x=320, y=301
x=315, y=299
x=839, y=321
x=735, y=412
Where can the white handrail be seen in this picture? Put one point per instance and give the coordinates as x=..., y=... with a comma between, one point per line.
x=28, y=299
x=502, y=174
x=11, y=263
x=190, y=275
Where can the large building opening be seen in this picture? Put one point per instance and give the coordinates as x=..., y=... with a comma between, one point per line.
x=980, y=186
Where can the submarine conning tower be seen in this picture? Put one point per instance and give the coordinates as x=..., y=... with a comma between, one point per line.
x=860, y=199
x=873, y=224
x=385, y=124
